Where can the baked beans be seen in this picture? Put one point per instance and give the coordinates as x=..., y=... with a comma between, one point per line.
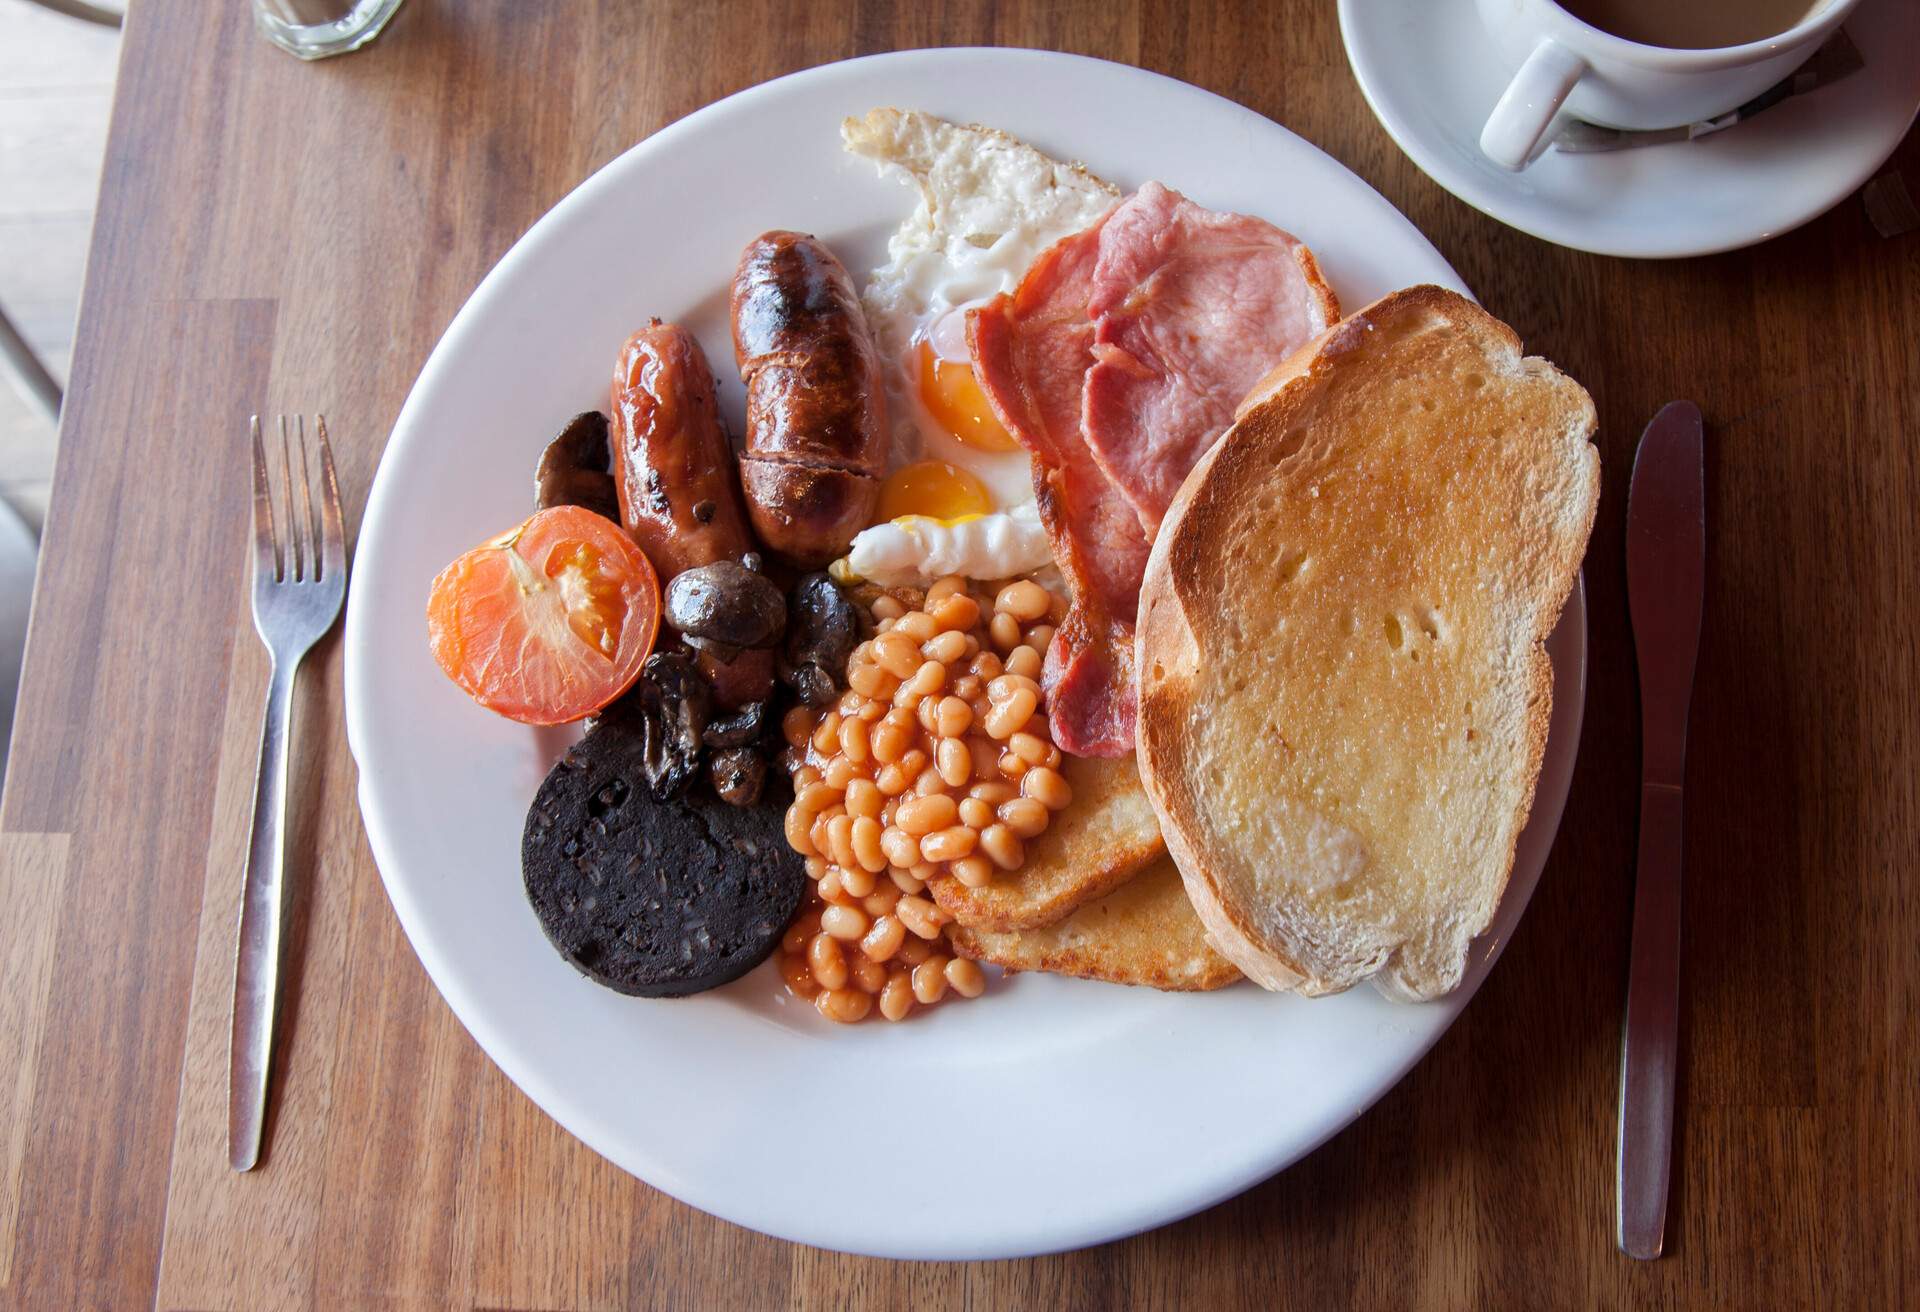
x=869, y=680
x=901, y=848
x=847, y=1006
x=1001, y=847
x=866, y=844
x=1011, y=715
x=953, y=717
x=954, y=762
x=863, y=799
x=1025, y=661
x=844, y=922
x=968, y=980
x=1005, y=632
x=973, y=871
x=930, y=980
x=936, y=760
x=896, y=999
x=943, y=588
x=1025, y=816
x=1025, y=600
x=828, y=961
x=884, y=939
x=947, y=648
x=1047, y=787
x=919, y=915
x=853, y=737
x=869, y=976
x=797, y=975
x=993, y=791
x=948, y=845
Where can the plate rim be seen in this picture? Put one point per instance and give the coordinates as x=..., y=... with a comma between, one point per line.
x=557, y=1102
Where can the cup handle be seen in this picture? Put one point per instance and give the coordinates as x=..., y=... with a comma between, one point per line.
x=1529, y=103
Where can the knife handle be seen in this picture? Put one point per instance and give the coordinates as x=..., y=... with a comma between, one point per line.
x=1650, y=1042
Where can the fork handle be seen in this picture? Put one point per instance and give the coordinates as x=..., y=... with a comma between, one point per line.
x=256, y=970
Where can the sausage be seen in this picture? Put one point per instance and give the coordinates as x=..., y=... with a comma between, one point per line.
x=745, y=679
x=817, y=432
x=672, y=464
x=674, y=471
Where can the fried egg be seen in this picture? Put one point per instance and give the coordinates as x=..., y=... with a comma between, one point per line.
x=958, y=496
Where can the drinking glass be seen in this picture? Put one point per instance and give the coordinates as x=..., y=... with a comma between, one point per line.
x=314, y=29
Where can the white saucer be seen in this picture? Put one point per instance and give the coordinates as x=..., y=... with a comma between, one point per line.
x=1430, y=73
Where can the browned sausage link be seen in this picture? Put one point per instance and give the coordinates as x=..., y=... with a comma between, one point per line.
x=817, y=433
x=672, y=463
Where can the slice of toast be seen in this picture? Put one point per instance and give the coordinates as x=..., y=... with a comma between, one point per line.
x=1344, y=693
x=1104, y=836
x=1144, y=932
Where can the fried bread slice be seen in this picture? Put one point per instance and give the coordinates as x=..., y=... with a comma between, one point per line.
x=1144, y=932
x=1105, y=835
x=1344, y=691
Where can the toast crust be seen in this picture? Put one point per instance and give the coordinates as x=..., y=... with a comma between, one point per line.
x=1469, y=517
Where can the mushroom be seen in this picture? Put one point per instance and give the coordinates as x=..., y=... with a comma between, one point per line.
x=822, y=631
x=726, y=605
x=673, y=701
x=575, y=469
x=740, y=729
x=738, y=774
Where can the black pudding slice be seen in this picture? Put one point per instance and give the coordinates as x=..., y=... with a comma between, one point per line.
x=658, y=899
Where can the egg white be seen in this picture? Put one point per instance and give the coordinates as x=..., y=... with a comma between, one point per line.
x=988, y=206
x=916, y=550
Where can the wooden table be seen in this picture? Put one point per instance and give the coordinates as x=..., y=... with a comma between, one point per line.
x=279, y=236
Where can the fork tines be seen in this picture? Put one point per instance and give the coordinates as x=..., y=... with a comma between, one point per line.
x=299, y=540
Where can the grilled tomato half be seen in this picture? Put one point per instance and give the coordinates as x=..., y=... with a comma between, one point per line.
x=547, y=622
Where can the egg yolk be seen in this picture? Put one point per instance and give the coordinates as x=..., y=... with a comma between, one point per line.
x=952, y=395
x=934, y=489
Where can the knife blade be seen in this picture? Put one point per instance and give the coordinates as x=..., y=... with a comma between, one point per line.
x=1666, y=586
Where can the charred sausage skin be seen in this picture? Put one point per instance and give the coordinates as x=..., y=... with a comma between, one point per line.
x=817, y=438
x=672, y=464
x=674, y=470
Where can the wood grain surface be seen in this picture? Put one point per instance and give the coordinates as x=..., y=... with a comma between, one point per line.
x=277, y=236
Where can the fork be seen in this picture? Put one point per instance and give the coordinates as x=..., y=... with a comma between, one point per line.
x=299, y=581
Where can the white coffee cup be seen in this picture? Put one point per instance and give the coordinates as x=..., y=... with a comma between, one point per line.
x=1623, y=84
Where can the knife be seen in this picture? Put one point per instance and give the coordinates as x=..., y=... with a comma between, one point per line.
x=1666, y=579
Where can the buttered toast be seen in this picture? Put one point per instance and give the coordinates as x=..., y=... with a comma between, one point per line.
x=1344, y=695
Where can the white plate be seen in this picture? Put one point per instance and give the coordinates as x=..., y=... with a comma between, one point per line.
x=1431, y=75
x=1082, y=1111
